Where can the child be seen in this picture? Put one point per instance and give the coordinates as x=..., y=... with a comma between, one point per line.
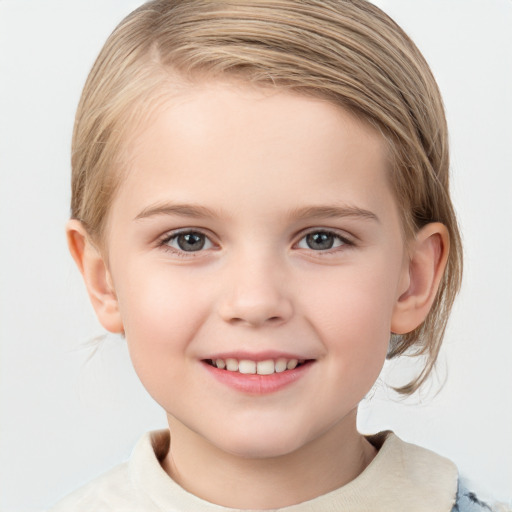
x=260, y=206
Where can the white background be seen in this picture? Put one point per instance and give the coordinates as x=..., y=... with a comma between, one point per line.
x=64, y=420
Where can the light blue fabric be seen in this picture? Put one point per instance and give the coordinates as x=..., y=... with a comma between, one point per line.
x=467, y=501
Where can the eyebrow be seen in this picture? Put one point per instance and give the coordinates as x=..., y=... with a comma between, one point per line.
x=308, y=212
x=330, y=212
x=182, y=210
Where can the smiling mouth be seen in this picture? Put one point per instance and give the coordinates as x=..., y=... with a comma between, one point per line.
x=248, y=367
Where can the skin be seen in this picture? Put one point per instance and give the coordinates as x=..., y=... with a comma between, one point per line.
x=258, y=171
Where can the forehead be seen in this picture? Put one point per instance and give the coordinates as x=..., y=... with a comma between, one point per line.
x=253, y=147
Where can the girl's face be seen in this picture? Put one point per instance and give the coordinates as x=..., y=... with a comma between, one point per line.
x=256, y=230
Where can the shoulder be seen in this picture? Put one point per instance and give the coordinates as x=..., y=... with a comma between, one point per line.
x=102, y=494
x=427, y=480
x=120, y=488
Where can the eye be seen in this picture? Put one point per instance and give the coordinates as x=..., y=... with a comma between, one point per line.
x=322, y=241
x=188, y=241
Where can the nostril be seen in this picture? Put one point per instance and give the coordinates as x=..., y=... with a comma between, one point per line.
x=255, y=309
x=256, y=321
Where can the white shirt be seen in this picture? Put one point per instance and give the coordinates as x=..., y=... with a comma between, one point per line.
x=402, y=477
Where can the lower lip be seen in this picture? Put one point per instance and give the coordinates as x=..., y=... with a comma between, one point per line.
x=255, y=384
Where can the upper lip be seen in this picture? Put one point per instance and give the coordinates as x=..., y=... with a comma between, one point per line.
x=257, y=356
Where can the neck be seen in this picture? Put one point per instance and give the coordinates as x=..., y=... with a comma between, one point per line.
x=327, y=463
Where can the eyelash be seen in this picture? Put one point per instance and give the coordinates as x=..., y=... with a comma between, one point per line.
x=163, y=243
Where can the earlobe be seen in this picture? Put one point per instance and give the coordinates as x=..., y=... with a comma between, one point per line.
x=427, y=261
x=96, y=275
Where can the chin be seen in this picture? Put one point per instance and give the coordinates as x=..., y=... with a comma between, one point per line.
x=259, y=444
x=255, y=451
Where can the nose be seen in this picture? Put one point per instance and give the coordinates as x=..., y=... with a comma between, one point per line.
x=256, y=294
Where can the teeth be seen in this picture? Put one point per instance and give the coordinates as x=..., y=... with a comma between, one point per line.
x=291, y=364
x=267, y=367
x=245, y=366
x=231, y=365
x=280, y=365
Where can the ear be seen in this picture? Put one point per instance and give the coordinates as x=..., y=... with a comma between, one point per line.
x=97, y=278
x=428, y=255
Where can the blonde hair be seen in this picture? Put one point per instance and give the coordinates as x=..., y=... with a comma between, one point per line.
x=346, y=51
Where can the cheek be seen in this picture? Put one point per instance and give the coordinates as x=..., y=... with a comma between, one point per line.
x=160, y=301
x=161, y=315
x=353, y=299
x=352, y=316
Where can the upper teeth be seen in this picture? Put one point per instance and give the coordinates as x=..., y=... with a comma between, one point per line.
x=266, y=367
